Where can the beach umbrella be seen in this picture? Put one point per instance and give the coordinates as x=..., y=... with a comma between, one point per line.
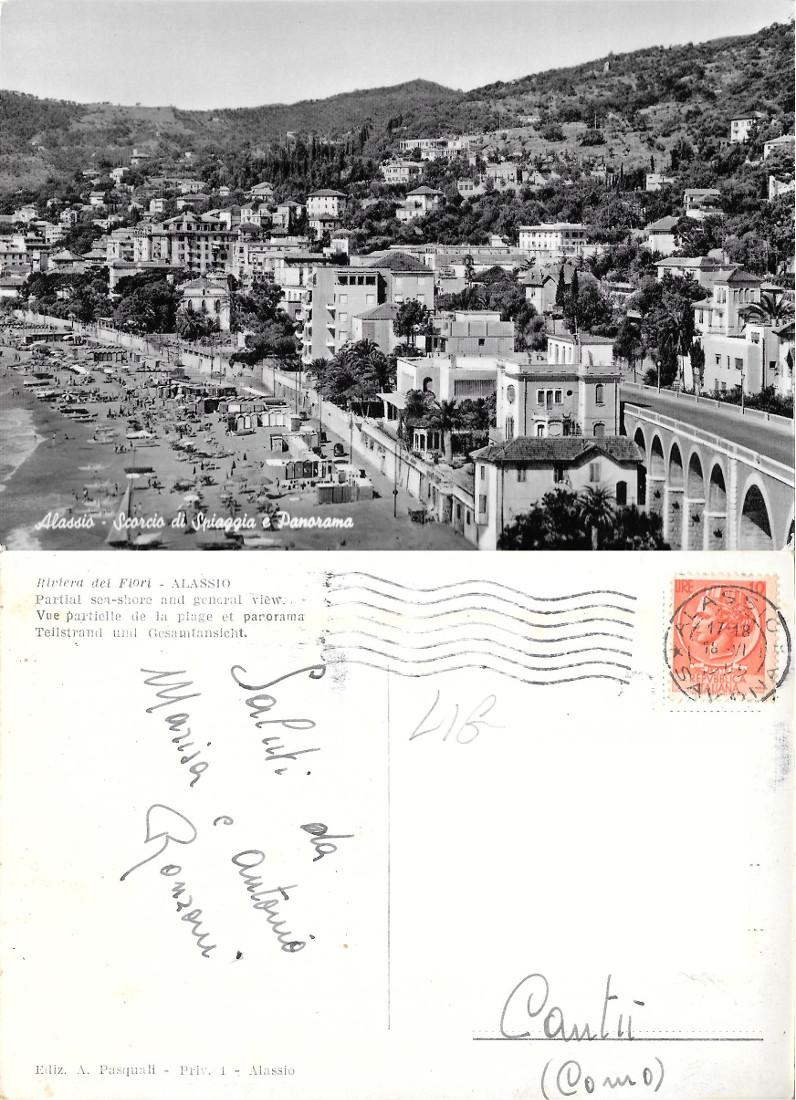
x=192, y=497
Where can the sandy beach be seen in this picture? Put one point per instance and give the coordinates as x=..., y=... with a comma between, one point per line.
x=56, y=468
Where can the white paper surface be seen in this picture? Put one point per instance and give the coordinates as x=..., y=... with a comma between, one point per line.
x=443, y=831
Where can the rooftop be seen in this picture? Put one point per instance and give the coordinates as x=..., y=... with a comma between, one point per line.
x=567, y=450
x=663, y=225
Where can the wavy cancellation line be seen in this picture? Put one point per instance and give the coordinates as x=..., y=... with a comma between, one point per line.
x=476, y=597
x=462, y=644
x=421, y=673
x=440, y=659
x=478, y=585
x=406, y=613
x=411, y=628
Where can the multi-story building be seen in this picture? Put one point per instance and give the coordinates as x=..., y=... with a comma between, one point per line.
x=262, y=192
x=553, y=241
x=505, y=176
x=377, y=325
x=418, y=203
x=285, y=217
x=742, y=125
x=429, y=148
x=339, y=294
x=335, y=295
x=472, y=332
x=732, y=290
x=447, y=378
x=571, y=389
x=326, y=201
x=509, y=478
x=198, y=242
x=661, y=237
x=209, y=295
x=401, y=171
x=702, y=269
x=785, y=141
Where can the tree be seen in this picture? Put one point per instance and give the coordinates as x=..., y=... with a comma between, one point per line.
x=696, y=355
x=629, y=344
x=668, y=322
x=564, y=520
x=561, y=288
x=587, y=309
x=195, y=326
x=148, y=303
x=772, y=309
x=412, y=318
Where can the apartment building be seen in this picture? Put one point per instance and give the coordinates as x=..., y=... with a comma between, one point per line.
x=335, y=295
x=553, y=241
x=198, y=242
x=339, y=294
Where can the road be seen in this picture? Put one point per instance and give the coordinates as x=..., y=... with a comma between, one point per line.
x=772, y=442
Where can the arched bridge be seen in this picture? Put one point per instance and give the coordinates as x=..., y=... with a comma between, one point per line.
x=713, y=492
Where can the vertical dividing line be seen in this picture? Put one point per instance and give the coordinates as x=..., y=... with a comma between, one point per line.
x=389, y=868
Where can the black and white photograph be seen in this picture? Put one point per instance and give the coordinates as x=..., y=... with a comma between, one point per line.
x=397, y=275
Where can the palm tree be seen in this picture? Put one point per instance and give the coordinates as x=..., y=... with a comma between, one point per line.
x=447, y=418
x=772, y=309
x=598, y=510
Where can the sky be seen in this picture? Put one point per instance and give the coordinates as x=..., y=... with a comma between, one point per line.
x=239, y=53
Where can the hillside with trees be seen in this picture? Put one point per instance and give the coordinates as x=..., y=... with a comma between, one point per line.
x=653, y=107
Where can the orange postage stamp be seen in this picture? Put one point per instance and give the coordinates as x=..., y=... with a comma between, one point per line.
x=726, y=639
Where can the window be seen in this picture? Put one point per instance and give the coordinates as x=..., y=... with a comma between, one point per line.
x=739, y=364
x=343, y=317
x=599, y=429
x=370, y=299
x=482, y=474
x=481, y=341
x=558, y=473
x=621, y=492
x=482, y=503
x=599, y=393
x=718, y=360
x=540, y=431
x=540, y=397
x=594, y=471
x=343, y=299
x=522, y=474
x=557, y=397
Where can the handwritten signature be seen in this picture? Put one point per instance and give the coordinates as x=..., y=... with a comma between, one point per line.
x=530, y=1000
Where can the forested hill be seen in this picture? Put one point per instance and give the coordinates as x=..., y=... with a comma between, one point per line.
x=664, y=94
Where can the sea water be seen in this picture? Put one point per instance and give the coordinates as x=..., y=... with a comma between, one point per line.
x=18, y=440
x=18, y=436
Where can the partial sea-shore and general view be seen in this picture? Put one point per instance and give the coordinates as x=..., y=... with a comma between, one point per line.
x=477, y=276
